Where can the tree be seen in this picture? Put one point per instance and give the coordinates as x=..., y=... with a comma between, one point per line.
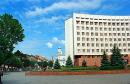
x=105, y=64
x=43, y=64
x=50, y=63
x=116, y=58
x=84, y=63
x=11, y=32
x=69, y=62
x=57, y=64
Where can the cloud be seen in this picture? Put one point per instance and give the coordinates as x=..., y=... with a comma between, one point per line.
x=51, y=20
x=65, y=5
x=49, y=44
x=55, y=41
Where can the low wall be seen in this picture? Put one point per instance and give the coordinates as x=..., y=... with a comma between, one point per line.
x=77, y=73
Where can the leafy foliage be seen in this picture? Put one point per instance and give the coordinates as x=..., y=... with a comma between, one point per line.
x=69, y=62
x=105, y=64
x=116, y=57
x=50, y=63
x=11, y=32
x=57, y=64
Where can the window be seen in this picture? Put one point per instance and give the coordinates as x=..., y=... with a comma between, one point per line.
x=110, y=39
x=83, y=50
x=88, y=50
x=92, y=39
x=123, y=34
x=83, y=44
x=96, y=28
x=83, y=38
x=82, y=22
x=87, y=28
x=118, y=29
x=96, y=39
x=101, y=34
x=128, y=34
x=87, y=33
x=92, y=44
x=92, y=50
x=105, y=29
x=77, y=22
x=101, y=39
x=78, y=33
x=78, y=44
x=87, y=39
x=96, y=34
x=92, y=34
x=128, y=39
x=83, y=33
x=119, y=39
x=119, y=34
x=87, y=23
x=105, y=34
x=97, y=45
x=97, y=50
x=82, y=27
x=78, y=38
x=123, y=39
x=78, y=27
x=87, y=44
x=91, y=23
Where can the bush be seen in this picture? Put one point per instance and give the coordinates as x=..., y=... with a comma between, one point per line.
x=79, y=68
x=111, y=68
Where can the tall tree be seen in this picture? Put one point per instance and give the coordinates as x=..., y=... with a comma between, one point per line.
x=50, y=63
x=57, y=64
x=105, y=64
x=116, y=57
x=11, y=32
x=69, y=62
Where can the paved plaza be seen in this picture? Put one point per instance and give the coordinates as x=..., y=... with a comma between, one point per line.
x=20, y=78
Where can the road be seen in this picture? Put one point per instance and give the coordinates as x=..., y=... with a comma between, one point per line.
x=20, y=78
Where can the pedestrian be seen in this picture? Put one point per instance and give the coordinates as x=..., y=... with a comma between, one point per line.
x=1, y=74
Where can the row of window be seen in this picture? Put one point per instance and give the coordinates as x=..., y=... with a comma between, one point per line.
x=102, y=34
x=102, y=39
x=103, y=19
x=101, y=44
x=98, y=50
x=103, y=23
x=103, y=28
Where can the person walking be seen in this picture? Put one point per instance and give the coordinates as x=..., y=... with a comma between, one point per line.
x=1, y=74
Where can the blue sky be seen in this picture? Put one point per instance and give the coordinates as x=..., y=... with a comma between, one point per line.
x=43, y=20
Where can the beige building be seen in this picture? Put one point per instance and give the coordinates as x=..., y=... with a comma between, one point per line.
x=87, y=36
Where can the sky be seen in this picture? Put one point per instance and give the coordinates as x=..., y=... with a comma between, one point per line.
x=43, y=20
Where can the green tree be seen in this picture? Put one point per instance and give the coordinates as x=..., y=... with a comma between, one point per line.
x=43, y=64
x=11, y=32
x=50, y=63
x=57, y=64
x=69, y=62
x=116, y=58
x=105, y=64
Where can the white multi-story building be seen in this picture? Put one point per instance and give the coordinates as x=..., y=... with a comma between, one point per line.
x=87, y=36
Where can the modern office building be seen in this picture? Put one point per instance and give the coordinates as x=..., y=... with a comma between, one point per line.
x=87, y=36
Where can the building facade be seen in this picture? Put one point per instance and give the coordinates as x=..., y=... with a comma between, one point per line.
x=61, y=57
x=87, y=36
